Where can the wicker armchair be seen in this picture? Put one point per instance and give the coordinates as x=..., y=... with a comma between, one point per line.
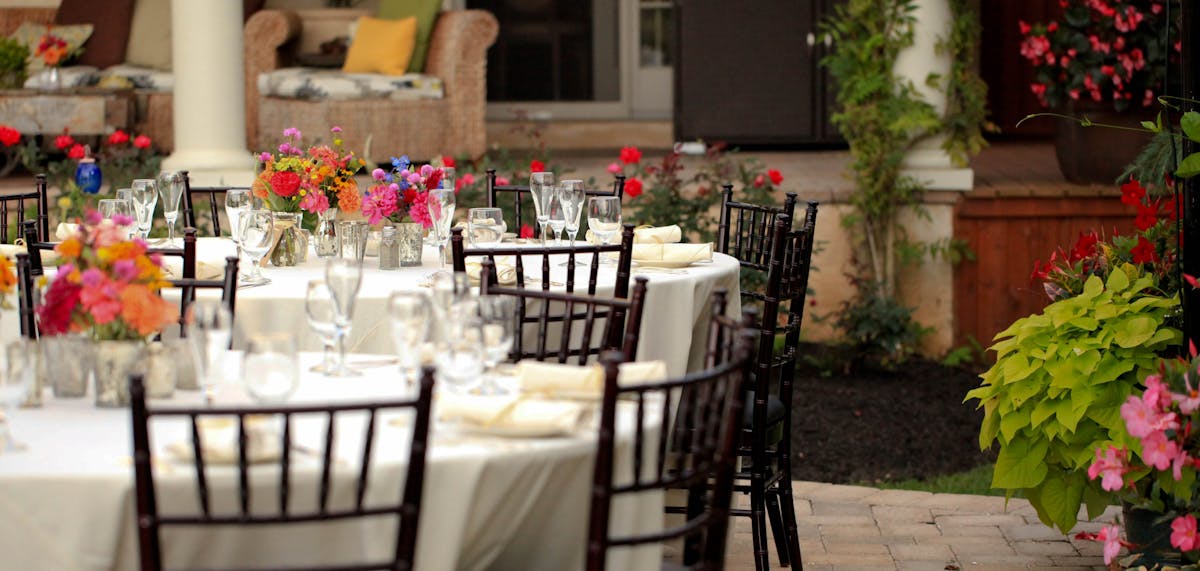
x=422, y=129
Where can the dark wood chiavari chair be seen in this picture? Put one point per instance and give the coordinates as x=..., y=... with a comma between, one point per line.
x=697, y=453
x=188, y=286
x=13, y=206
x=518, y=191
x=186, y=253
x=745, y=230
x=26, y=301
x=407, y=510
x=214, y=195
x=621, y=329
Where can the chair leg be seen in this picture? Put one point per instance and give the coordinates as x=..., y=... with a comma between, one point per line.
x=789, y=517
x=776, y=519
x=758, y=523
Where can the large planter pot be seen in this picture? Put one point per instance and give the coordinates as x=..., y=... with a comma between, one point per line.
x=1150, y=537
x=1097, y=154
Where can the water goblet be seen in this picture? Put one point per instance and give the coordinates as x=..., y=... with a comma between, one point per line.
x=343, y=278
x=321, y=314
x=19, y=369
x=112, y=208
x=604, y=219
x=558, y=217
x=271, y=367
x=441, y=211
x=124, y=194
x=459, y=355
x=171, y=186
x=209, y=330
x=411, y=315
x=485, y=226
x=497, y=323
x=256, y=233
x=145, y=199
x=572, y=195
x=541, y=187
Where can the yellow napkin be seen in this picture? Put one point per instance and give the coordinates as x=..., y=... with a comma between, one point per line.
x=514, y=415
x=672, y=253
x=583, y=382
x=506, y=274
x=218, y=442
x=49, y=257
x=657, y=235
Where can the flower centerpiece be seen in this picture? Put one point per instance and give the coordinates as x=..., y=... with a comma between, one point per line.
x=107, y=289
x=401, y=194
x=53, y=52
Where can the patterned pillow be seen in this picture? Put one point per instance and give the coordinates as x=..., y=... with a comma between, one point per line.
x=71, y=76
x=317, y=84
x=30, y=35
x=137, y=78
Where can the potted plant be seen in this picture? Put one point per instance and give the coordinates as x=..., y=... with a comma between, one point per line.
x=1106, y=60
x=13, y=60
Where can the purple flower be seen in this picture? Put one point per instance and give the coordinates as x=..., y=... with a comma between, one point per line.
x=335, y=129
x=264, y=156
x=292, y=132
x=414, y=179
x=125, y=270
x=426, y=170
x=92, y=277
x=283, y=148
x=122, y=219
x=93, y=217
x=379, y=175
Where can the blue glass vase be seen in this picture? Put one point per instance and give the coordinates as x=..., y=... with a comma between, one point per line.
x=87, y=176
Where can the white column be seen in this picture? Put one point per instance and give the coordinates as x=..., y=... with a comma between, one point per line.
x=209, y=99
x=928, y=162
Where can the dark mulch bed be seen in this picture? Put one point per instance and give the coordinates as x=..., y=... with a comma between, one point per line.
x=874, y=425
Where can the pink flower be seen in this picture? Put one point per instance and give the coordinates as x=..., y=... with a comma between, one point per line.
x=292, y=133
x=1142, y=419
x=502, y=181
x=419, y=212
x=125, y=270
x=315, y=202
x=264, y=156
x=100, y=303
x=141, y=142
x=1111, y=536
x=1110, y=463
x=122, y=219
x=380, y=203
x=614, y=168
x=378, y=175
x=1183, y=533
x=335, y=129
x=1190, y=401
x=1181, y=459
x=1157, y=394
x=426, y=170
x=1159, y=452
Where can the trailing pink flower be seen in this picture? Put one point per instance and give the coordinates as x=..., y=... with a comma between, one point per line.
x=1111, y=536
x=1142, y=419
x=1111, y=463
x=1183, y=533
x=1158, y=451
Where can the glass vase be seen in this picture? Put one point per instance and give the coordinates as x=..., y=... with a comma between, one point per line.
x=410, y=240
x=68, y=362
x=325, y=238
x=53, y=79
x=291, y=243
x=114, y=361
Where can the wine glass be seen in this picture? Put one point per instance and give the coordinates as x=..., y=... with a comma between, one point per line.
x=448, y=176
x=170, y=187
x=459, y=356
x=125, y=194
x=497, y=321
x=19, y=369
x=271, y=367
x=558, y=216
x=145, y=198
x=209, y=331
x=572, y=195
x=237, y=201
x=541, y=186
x=441, y=212
x=319, y=308
x=604, y=219
x=111, y=208
x=411, y=314
x=485, y=226
x=343, y=278
x=256, y=232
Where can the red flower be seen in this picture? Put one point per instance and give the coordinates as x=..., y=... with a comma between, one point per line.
x=633, y=188
x=141, y=142
x=1170, y=208
x=1144, y=252
x=77, y=152
x=63, y=142
x=1192, y=281
x=759, y=181
x=448, y=161
x=1041, y=272
x=526, y=231
x=1132, y=192
x=1147, y=217
x=775, y=176
x=1085, y=246
x=536, y=166
x=285, y=183
x=55, y=313
x=9, y=136
x=118, y=137
x=410, y=195
x=630, y=155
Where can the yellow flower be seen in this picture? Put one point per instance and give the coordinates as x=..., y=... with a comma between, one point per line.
x=64, y=203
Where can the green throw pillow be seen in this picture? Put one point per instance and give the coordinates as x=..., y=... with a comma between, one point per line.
x=426, y=12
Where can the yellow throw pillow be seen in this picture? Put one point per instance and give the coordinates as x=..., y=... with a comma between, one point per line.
x=381, y=46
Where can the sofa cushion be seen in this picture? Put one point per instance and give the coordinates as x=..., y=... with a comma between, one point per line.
x=426, y=12
x=110, y=19
x=136, y=77
x=30, y=35
x=150, y=35
x=318, y=84
x=381, y=46
x=71, y=76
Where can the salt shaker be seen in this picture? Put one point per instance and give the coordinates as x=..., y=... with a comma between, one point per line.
x=389, y=249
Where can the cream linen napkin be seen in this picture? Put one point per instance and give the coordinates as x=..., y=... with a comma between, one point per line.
x=657, y=235
x=65, y=230
x=506, y=274
x=514, y=415
x=218, y=442
x=583, y=382
x=49, y=257
x=672, y=253
x=205, y=269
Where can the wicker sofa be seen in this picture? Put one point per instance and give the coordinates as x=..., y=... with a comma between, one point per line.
x=420, y=128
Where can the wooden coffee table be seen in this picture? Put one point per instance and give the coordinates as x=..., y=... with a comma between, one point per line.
x=82, y=111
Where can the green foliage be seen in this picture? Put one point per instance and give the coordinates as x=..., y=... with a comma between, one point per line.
x=13, y=58
x=1054, y=395
x=877, y=329
x=965, y=355
x=965, y=119
x=975, y=481
x=1190, y=125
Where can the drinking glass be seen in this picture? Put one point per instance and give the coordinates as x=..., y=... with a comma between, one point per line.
x=604, y=219
x=237, y=201
x=353, y=236
x=17, y=376
x=171, y=186
x=572, y=195
x=558, y=217
x=319, y=308
x=256, y=232
x=110, y=208
x=411, y=314
x=145, y=198
x=448, y=176
x=125, y=194
x=497, y=321
x=271, y=367
x=459, y=356
x=209, y=331
x=541, y=187
x=441, y=212
x=343, y=278
x=485, y=226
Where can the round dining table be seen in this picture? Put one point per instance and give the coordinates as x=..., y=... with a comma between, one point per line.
x=674, y=319
x=489, y=501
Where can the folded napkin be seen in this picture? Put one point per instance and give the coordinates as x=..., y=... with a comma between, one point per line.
x=514, y=415
x=49, y=257
x=65, y=230
x=218, y=441
x=205, y=269
x=506, y=274
x=672, y=253
x=657, y=235
x=583, y=382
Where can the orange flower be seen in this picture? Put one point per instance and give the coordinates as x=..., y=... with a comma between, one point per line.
x=348, y=198
x=145, y=311
x=8, y=275
x=69, y=248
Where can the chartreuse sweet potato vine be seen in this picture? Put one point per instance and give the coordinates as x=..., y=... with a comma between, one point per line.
x=1055, y=392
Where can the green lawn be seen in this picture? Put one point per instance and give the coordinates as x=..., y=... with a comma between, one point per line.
x=975, y=481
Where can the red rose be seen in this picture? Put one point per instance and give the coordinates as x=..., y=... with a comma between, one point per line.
x=633, y=188
x=55, y=313
x=63, y=142
x=118, y=137
x=9, y=136
x=141, y=142
x=285, y=183
x=526, y=231
x=775, y=176
x=630, y=155
x=77, y=152
x=536, y=166
x=448, y=161
x=1143, y=253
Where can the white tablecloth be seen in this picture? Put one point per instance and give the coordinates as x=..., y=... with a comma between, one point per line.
x=66, y=503
x=673, y=323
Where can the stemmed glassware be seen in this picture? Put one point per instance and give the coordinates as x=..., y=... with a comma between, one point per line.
x=322, y=318
x=170, y=188
x=497, y=316
x=257, y=229
x=109, y=208
x=572, y=195
x=237, y=201
x=541, y=187
x=604, y=219
x=441, y=212
x=343, y=278
x=271, y=368
x=485, y=226
x=209, y=332
x=558, y=216
x=411, y=316
x=459, y=355
x=19, y=369
x=145, y=198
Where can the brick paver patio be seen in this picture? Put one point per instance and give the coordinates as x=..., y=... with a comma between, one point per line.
x=860, y=528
